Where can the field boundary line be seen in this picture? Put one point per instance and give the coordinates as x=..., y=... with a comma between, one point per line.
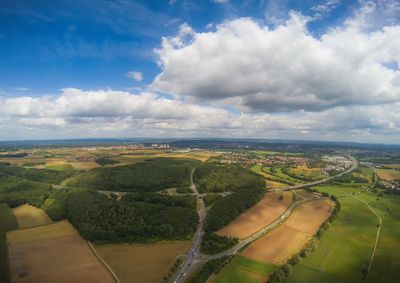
x=377, y=234
x=103, y=262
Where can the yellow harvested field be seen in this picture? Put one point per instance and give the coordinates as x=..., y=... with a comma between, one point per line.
x=30, y=216
x=58, y=229
x=53, y=253
x=388, y=174
x=147, y=263
x=304, y=170
x=258, y=216
x=286, y=240
x=84, y=165
x=199, y=155
x=274, y=185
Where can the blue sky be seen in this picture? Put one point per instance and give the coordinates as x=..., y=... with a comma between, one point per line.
x=49, y=45
x=326, y=69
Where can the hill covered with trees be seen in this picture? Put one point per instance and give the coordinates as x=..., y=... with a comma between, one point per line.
x=217, y=178
x=132, y=219
x=150, y=175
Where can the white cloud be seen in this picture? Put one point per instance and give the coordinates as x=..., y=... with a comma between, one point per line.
x=135, y=75
x=282, y=69
x=109, y=113
x=220, y=1
x=326, y=6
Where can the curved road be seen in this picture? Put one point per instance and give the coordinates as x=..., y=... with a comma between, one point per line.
x=195, y=258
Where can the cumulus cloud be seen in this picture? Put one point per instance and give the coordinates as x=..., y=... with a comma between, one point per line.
x=242, y=79
x=282, y=69
x=135, y=75
x=104, y=113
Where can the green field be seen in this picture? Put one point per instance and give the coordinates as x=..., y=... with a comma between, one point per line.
x=282, y=175
x=346, y=247
x=7, y=222
x=242, y=269
x=386, y=263
x=338, y=190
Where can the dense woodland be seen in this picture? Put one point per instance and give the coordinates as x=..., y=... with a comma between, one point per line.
x=106, y=161
x=213, y=244
x=132, y=219
x=228, y=208
x=149, y=176
x=215, y=178
x=15, y=191
x=33, y=174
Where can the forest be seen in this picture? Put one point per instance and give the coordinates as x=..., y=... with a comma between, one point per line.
x=33, y=174
x=102, y=219
x=216, y=178
x=151, y=175
x=15, y=191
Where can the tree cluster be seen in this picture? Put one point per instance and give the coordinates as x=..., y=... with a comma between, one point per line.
x=151, y=175
x=228, y=208
x=102, y=219
x=213, y=244
x=217, y=178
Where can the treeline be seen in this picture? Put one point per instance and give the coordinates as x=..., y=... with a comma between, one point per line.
x=213, y=244
x=210, y=267
x=102, y=219
x=350, y=178
x=302, y=177
x=8, y=222
x=154, y=198
x=33, y=174
x=228, y=208
x=276, y=178
x=284, y=270
x=149, y=176
x=15, y=191
x=106, y=161
x=217, y=178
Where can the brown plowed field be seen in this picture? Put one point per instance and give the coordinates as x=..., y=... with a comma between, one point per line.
x=280, y=244
x=53, y=253
x=258, y=216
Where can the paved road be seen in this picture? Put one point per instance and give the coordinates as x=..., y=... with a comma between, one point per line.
x=353, y=167
x=195, y=258
x=194, y=252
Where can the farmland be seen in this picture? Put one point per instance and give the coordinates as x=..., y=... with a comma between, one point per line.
x=142, y=263
x=258, y=216
x=344, y=250
x=42, y=254
x=141, y=232
x=242, y=269
x=8, y=222
x=29, y=216
x=280, y=244
x=388, y=174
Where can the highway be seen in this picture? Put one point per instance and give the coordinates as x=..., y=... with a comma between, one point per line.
x=194, y=258
x=194, y=252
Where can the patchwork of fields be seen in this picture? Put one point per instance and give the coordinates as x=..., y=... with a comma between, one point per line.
x=270, y=207
x=281, y=243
